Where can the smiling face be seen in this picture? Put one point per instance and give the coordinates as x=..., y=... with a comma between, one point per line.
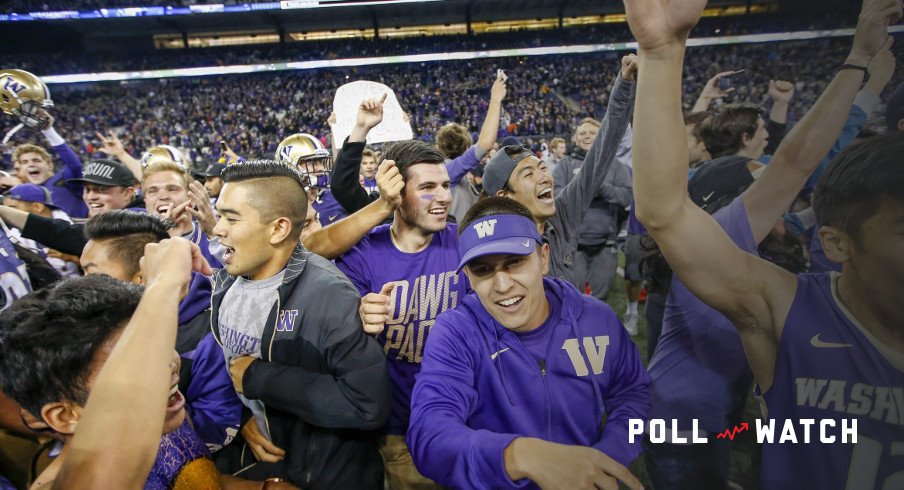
x=531, y=185
x=247, y=239
x=426, y=197
x=162, y=190
x=103, y=198
x=510, y=287
x=32, y=167
x=584, y=135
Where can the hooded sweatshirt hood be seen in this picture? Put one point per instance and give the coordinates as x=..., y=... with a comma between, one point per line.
x=197, y=300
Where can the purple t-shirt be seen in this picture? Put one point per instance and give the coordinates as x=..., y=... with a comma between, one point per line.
x=426, y=285
x=699, y=366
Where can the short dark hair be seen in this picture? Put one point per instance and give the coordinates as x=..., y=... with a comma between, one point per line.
x=851, y=189
x=128, y=232
x=493, y=205
x=412, y=152
x=49, y=339
x=722, y=133
x=279, y=190
x=453, y=140
x=695, y=118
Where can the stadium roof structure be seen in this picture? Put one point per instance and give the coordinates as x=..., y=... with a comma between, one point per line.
x=316, y=14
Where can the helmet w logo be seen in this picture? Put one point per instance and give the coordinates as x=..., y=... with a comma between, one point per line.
x=485, y=228
x=285, y=153
x=9, y=83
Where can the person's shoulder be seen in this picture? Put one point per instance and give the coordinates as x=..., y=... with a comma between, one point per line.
x=325, y=272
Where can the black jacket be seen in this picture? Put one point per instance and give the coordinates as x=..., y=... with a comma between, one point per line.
x=323, y=381
x=344, y=182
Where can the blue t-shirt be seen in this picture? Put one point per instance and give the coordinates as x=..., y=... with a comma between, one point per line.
x=427, y=284
x=699, y=368
x=537, y=340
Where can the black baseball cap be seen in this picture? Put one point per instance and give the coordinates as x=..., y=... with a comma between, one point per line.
x=106, y=172
x=214, y=170
x=720, y=177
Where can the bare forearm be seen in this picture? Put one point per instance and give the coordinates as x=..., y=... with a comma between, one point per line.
x=660, y=170
x=13, y=217
x=334, y=240
x=132, y=385
x=490, y=127
x=702, y=103
x=358, y=134
x=131, y=163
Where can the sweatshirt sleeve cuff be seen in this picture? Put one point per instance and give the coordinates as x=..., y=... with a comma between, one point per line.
x=488, y=459
x=867, y=101
x=53, y=137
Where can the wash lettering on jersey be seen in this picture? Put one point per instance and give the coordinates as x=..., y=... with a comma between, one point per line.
x=415, y=306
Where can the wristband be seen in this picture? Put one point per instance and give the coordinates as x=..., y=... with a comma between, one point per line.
x=864, y=69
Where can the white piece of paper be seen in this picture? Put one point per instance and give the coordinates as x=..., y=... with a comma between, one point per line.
x=345, y=104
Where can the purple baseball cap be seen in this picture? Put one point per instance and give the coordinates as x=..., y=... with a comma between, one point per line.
x=31, y=193
x=509, y=234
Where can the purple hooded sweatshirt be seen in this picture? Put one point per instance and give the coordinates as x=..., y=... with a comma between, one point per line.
x=480, y=388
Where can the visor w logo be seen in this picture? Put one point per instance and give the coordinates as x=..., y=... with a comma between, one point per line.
x=485, y=228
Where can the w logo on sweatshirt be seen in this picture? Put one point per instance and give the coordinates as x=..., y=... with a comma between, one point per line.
x=286, y=321
x=595, y=350
x=485, y=228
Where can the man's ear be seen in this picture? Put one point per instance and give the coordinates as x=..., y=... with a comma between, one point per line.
x=62, y=417
x=544, y=257
x=501, y=193
x=280, y=230
x=836, y=244
x=900, y=124
x=136, y=278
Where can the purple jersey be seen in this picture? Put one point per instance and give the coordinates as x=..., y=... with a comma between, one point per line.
x=699, y=367
x=829, y=367
x=328, y=209
x=13, y=275
x=426, y=285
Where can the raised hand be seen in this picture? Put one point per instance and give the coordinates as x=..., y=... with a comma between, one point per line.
x=200, y=207
x=658, y=23
x=872, y=29
x=629, y=67
x=374, y=309
x=881, y=69
x=390, y=183
x=171, y=262
x=781, y=91
x=111, y=145
x=370, y=113
x=499, y=90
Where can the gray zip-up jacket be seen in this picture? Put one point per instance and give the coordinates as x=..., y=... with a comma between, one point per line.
x=573, y=201
x=323, y=381
x=601, y=221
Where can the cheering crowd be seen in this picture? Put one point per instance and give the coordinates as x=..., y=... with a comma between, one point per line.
x=222, y=295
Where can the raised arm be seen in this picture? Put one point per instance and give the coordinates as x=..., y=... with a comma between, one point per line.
x=111, y=145
x=57, y=234
x=469, y=160
x=336, y=239
x=712, y=91
x=754, y=294
x=811, y=139
x=110, y=450
x=574, y=200
x=344, y=182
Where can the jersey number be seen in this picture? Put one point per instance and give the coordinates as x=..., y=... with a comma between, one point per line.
x=868, y=453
